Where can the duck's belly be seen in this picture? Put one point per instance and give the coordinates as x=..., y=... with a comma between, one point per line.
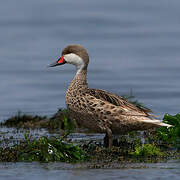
x=98, y=125
x=88, y=121
x=118, y=125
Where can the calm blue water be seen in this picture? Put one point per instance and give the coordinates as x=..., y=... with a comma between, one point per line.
x=133, y=45
x=61, y=171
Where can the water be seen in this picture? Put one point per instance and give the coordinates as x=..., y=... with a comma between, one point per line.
x=57, y=171
x=133, y=45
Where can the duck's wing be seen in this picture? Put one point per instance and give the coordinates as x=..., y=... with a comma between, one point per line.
x=118, y=101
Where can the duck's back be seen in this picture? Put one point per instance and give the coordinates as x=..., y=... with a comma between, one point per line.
x=96, y=109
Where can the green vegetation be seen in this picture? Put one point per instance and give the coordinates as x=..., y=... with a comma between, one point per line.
x=43, y=150
x=170, y=136
x=60, y=121
x=146, y=150
x=159, y=144
x=24, y=120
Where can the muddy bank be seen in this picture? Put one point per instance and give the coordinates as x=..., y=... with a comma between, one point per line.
x=59, y=121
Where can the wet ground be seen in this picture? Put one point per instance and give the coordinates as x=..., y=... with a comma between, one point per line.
x=86, y=170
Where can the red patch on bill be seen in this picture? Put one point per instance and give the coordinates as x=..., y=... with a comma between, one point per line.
x=60, y=60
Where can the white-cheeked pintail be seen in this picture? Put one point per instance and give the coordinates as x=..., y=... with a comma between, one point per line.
x=100, y=110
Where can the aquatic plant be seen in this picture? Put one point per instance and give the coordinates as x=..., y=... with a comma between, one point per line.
x=170, y=135
x=158, y=144
x=25, y=120
x=43, y=150
x=50, y=149
x=59, y=121
x=62, y=120
x=146, y=150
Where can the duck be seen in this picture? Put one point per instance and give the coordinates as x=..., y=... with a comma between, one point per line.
x=99, y=110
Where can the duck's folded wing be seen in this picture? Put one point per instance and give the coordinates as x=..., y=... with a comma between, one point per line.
x=106, y=112
x=118, y=101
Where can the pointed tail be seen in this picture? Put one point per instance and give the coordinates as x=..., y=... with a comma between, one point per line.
x=156, y=122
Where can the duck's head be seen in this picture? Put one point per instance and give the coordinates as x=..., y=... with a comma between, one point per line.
x=73, y=54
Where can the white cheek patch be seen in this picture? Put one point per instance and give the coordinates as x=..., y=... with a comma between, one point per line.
x=75, y=60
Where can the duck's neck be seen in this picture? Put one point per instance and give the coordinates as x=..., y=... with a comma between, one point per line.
x=80, y=79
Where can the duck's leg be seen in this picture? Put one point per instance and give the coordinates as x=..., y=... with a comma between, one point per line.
x=108, y=139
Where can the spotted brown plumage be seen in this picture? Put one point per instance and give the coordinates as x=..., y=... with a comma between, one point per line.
x=100, y=110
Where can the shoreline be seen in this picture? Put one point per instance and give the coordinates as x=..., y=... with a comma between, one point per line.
x=135, y=147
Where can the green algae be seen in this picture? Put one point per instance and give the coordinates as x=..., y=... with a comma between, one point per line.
x=146, y=150
x=21, y=120
x=101, y=156
x=59, y=121
x=171, y=135
x=158, y=145
x=52, y=149
x=42, y=149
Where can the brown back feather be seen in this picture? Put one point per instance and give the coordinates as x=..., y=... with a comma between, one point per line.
x=117, y=100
